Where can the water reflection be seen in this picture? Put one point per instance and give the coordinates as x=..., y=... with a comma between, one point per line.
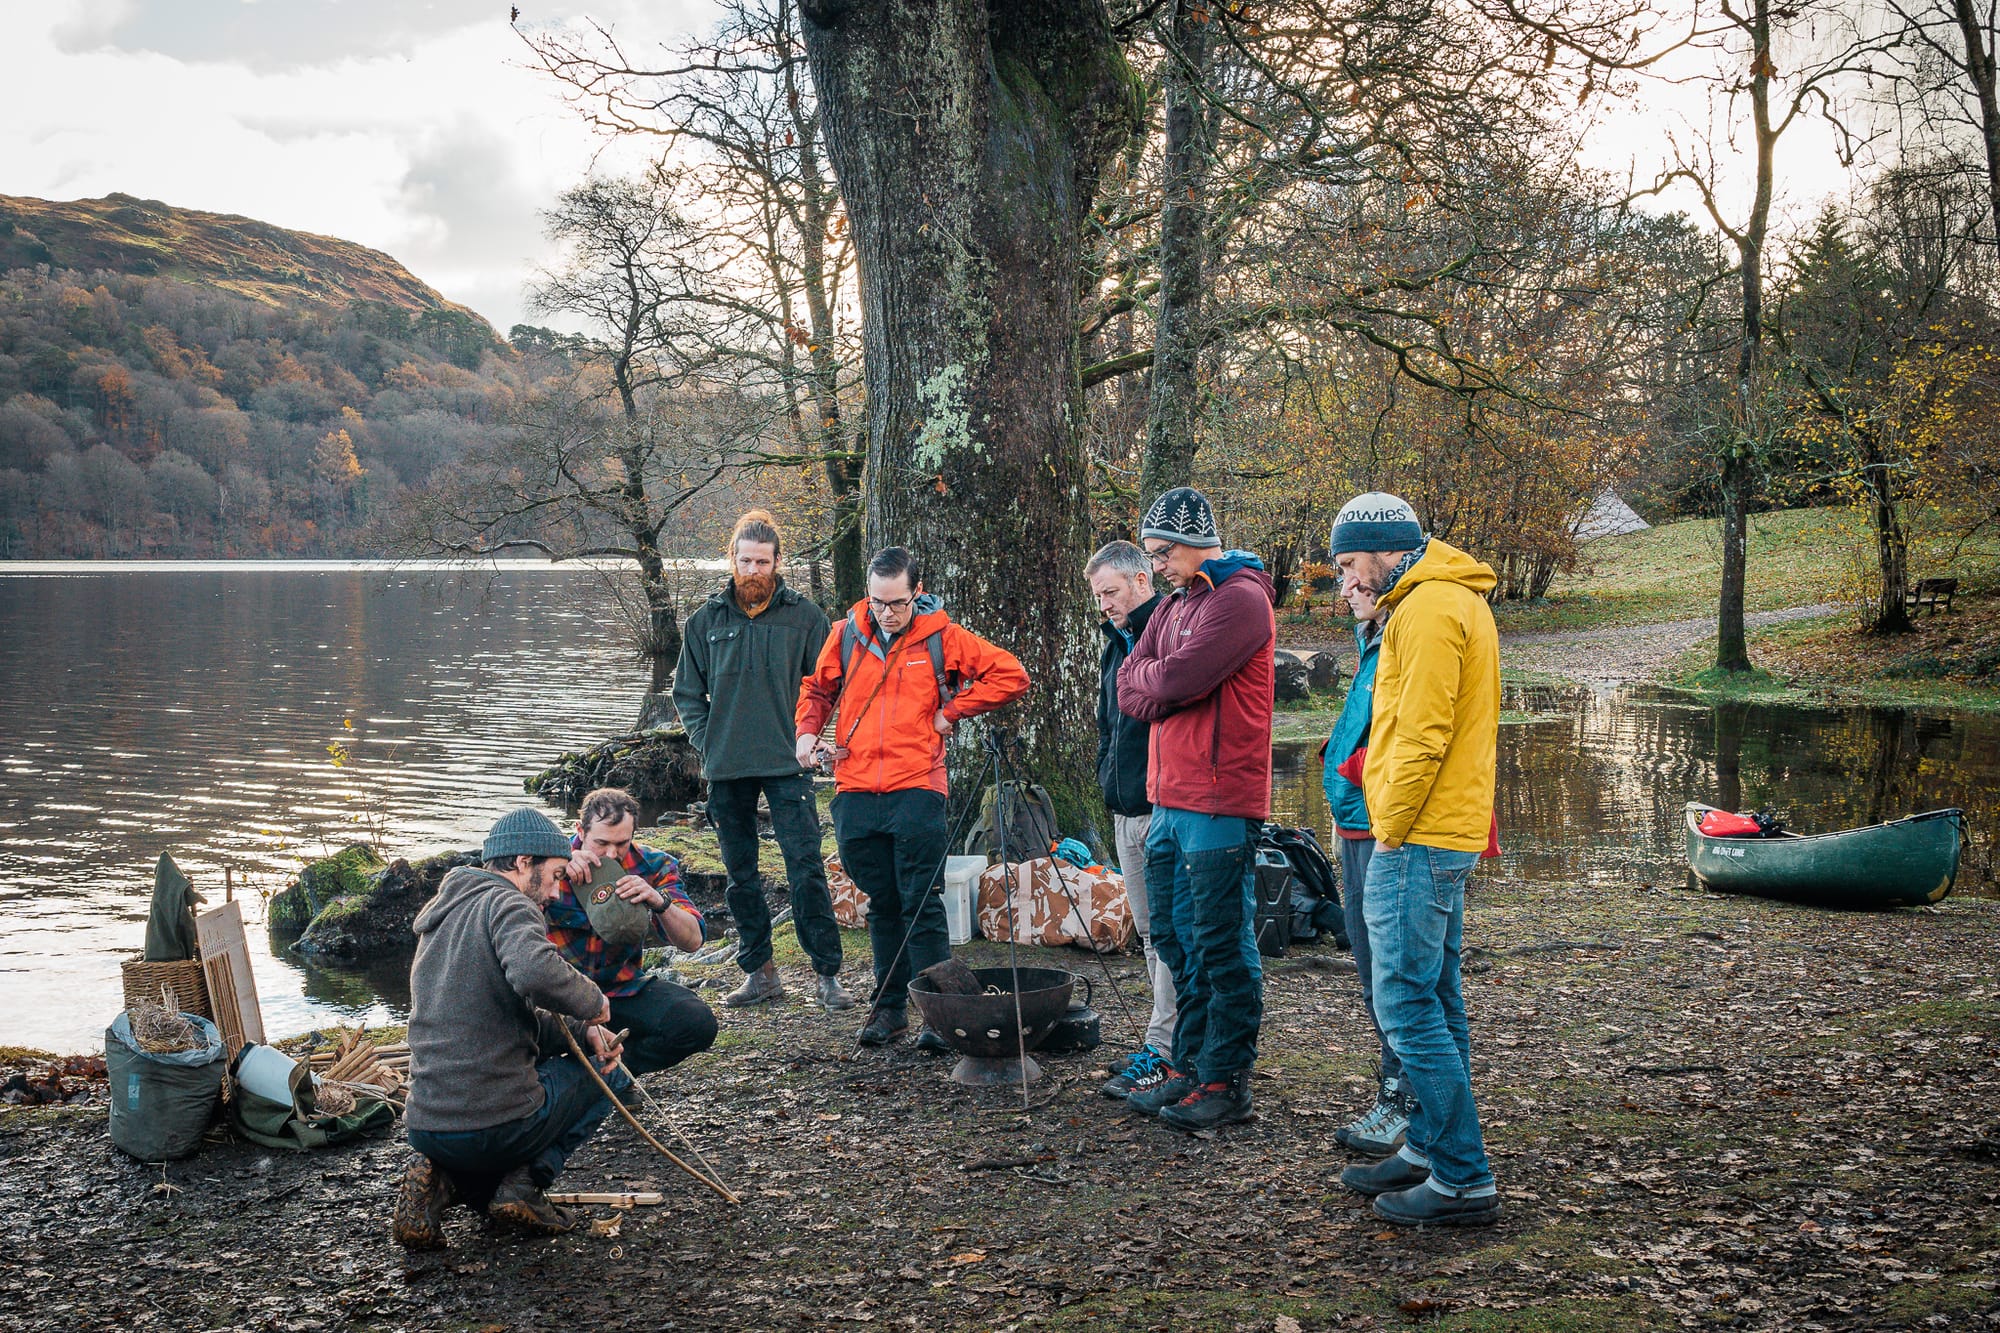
x=189, y=709
x=1593, y=792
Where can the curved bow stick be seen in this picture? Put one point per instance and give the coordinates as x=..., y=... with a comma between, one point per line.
x=633, y=1120
x=654, y=1106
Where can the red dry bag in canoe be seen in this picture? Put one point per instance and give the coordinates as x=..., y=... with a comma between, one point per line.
x=1722, y=824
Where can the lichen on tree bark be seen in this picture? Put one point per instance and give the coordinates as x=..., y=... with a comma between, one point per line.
x=968, y=137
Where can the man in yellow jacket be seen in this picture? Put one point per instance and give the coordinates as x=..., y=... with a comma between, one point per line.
x=1428, y=780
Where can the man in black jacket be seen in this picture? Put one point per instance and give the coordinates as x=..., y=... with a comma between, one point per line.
x=743, y=654
x=1121, y=578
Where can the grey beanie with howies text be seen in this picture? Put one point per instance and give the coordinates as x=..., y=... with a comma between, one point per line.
x=1377, y=521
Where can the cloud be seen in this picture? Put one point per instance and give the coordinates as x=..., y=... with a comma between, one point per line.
x=287, y=34
x=422, y=135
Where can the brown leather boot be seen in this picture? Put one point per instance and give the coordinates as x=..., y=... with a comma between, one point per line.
x=763, y=984
x=520, y=1201
x=418, y=1222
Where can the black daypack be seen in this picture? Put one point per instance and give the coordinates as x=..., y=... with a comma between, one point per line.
x=1312, y=889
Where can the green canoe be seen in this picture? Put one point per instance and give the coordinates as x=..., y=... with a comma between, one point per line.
x=1898, y=864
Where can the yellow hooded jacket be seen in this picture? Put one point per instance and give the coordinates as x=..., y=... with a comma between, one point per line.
x=1429, y=773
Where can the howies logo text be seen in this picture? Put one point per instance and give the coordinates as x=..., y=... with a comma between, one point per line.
x=1379, y=516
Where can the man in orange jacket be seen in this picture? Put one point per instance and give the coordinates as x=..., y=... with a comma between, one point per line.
x=898, y=676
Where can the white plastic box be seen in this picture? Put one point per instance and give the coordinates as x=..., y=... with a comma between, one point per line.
x=961, y=890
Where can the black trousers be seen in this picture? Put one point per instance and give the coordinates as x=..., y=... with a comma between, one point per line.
x=667, y=1023
x=892, y=845
x=732, y=808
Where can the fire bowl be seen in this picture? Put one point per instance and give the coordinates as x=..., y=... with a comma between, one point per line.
x=981, y=1027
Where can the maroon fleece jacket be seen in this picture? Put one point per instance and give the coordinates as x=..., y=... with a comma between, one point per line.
x=1202, y=675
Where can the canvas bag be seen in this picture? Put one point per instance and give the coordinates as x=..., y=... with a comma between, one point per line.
x=161, y=1104
x=299, y=1124
x=1099, y=920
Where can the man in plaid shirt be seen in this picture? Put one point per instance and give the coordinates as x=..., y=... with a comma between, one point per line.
x=667, y=1023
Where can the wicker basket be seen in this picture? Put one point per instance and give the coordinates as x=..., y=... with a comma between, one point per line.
x=143, y=981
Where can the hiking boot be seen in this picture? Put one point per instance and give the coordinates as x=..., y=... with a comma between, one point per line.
x=1385, y=1176
x=418, y=1222
x=520, y=1201
x=1211, y=1105
x=763, y=984
x=832, y=995
x=1136, y=1071
x=1422, y=1206
x=932, y=1042
x=884, y=1028
x=1172, y=1086
x=1382, y=1130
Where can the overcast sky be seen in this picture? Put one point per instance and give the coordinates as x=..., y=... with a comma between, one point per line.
x=414, y=126
x=411, y=126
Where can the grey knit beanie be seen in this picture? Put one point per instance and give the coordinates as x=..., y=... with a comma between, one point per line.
x=1377, y=521
x=1181, y=515
x=524, y=832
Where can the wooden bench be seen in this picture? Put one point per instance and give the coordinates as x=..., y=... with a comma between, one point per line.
x=1929, y=592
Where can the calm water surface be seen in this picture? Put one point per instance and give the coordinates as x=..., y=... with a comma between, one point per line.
x=189, y=709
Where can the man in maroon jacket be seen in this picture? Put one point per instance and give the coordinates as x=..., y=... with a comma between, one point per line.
x=1202, y=675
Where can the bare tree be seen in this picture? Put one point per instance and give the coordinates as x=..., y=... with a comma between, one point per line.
x=608, y=454
x=1772, y=63
x=1946, y=48
x=736, y=113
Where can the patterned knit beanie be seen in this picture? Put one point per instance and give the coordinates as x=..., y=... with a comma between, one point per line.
x=1181, y=515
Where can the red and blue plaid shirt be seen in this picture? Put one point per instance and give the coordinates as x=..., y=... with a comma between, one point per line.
x=616, y=971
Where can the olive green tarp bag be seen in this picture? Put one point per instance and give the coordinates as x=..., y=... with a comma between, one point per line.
x=162, y=1102
x=301, y=1125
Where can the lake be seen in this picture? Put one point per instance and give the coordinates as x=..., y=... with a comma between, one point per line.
x=189, y=708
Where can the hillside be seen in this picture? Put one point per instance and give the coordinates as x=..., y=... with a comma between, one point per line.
x=146, y=238
x=179, y=383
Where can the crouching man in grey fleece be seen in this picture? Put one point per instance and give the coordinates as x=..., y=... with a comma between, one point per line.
x=497, y=1103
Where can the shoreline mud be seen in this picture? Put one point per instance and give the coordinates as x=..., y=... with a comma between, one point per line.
x=1703, y=1112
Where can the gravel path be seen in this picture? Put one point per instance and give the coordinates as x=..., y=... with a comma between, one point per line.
x=1627, y=654
x=1606, y=658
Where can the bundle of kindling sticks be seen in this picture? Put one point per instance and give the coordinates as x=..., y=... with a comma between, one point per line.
x=358, y=1066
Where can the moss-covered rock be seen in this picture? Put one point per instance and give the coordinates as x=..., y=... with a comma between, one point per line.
x=660, y=768
x=374, y=919
x=322, y=882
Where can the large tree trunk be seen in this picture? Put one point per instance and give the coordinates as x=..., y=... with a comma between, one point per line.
x=967, y=136
x=1175, y=401
x=1980, y=66
x=1739, y=459
x=1892, y=550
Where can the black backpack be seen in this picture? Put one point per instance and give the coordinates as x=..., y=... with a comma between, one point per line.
x=1298, y=893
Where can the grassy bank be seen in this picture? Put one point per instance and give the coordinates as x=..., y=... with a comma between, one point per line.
x=1946, y=662
x=1701, y=1112
x=1796, y=557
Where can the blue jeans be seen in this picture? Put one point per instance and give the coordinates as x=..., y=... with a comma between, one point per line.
x=572, y=1108
x=1200, y=880
x=1355, y=853
x=1415, y=913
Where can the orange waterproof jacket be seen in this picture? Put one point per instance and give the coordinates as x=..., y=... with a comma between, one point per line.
x=889, y=699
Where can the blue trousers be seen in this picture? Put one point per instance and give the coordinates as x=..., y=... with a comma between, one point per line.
x=1355, y=853
x=1200, y=879
x=572, y=1108
x=1416, y=921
